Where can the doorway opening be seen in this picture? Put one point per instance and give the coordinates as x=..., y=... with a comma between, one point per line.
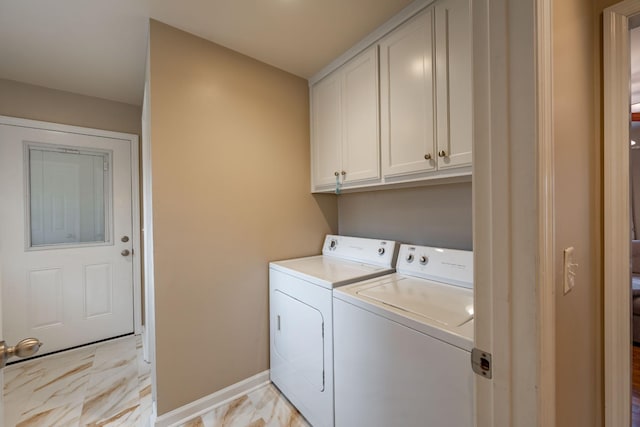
x=619, y=223
x=70, y=234
x=634, y=186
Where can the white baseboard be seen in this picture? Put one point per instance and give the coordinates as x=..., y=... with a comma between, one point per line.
x=205, y=404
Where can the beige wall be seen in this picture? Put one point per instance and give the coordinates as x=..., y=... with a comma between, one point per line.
x=578, y=213
x=50, y=105
x=230, y=155
x=438, y=215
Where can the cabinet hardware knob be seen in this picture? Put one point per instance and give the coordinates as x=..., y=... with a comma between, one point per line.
x=336, y=173
x=343, y=173
x=427, y=156
x=442, y=153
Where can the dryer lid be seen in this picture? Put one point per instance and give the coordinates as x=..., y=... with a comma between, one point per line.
x=447, y=305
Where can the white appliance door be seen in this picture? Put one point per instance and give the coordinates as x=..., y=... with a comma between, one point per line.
x=65, y=236
x=298, y=338
x=387, y=374
x=301, y=345
x=443, y=304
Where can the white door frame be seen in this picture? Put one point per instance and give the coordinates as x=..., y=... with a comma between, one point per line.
x=617, y=228
x=2, y=369
x=546, y=316
x=135, y=194
x=513, y=211
x=149, y=268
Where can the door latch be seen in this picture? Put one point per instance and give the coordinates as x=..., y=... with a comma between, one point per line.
x=481, y=363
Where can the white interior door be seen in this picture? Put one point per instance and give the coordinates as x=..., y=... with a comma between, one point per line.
x=65, y=236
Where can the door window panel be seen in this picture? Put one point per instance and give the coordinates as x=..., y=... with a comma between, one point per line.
x=68, y=196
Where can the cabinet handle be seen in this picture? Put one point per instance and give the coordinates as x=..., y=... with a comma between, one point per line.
x=427, y=156
x=442, y=153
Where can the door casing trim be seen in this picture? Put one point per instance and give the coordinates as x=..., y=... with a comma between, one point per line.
x=617, y=228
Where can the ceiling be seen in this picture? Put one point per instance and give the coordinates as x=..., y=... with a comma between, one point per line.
x=98, y=47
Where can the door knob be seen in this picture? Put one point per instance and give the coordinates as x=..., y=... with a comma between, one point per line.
x=124, y=239
x=125, y=252
x=25, y=348
x=442, y=153
x=427, y=156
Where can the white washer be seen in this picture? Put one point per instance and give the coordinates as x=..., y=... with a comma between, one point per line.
x=402, y=343
x=301, y=319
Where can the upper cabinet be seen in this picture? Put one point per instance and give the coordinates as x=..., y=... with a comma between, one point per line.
x=425, y=95
x=425, y=88
x=326, y=131
x=344, y=125
x=453, y=83
x=407, y=98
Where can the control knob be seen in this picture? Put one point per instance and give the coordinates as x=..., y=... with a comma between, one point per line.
x=380, y=251
x=424, y=260
x=333, y=244
x=409, y=258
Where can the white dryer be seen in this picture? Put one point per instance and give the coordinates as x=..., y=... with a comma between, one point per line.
x=402, y=344
x=301, y=319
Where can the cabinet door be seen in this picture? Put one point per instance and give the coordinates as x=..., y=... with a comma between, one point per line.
x=326, y=132
x=361, y=144
x=453, y=77
x=407, y=98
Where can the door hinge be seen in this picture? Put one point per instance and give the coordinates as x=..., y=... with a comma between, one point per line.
x=481, y=363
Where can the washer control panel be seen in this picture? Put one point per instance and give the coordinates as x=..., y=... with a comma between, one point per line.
x=443, y=265
x=370, y=251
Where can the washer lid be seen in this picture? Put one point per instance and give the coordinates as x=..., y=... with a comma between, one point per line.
x=329, y=272
x=445, y=304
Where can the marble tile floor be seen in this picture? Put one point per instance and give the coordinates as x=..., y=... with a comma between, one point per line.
x=105, y=384
x=263, y=407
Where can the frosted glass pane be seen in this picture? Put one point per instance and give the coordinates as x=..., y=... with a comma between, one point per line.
x=67, y=196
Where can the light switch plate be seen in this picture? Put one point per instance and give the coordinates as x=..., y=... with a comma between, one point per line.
x=569, y=270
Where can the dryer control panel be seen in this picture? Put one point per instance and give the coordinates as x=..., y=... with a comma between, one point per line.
x=360, y=249
x=450, y=266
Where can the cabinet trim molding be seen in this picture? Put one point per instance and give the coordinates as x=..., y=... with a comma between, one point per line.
x=372, y=38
